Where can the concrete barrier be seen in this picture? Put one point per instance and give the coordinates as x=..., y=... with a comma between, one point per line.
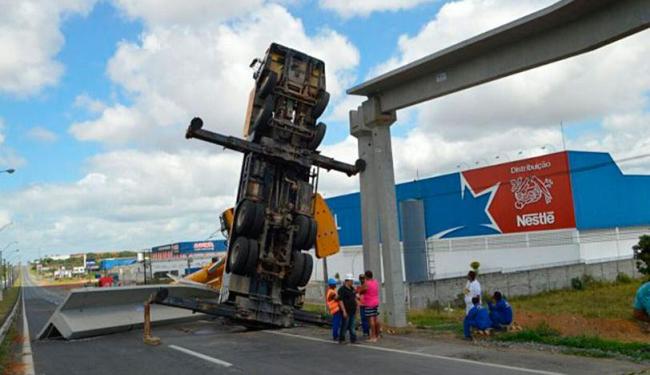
x=98, y=311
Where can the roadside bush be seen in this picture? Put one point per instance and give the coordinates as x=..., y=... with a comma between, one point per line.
x=642, y=254
x=623, y=278
x=577, y=284
x=588, y=280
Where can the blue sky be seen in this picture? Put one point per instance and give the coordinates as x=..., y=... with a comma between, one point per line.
x=91, y=40
x=89, y=43
x=95, y=97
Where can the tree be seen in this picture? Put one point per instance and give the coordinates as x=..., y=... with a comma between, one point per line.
x=642, y=254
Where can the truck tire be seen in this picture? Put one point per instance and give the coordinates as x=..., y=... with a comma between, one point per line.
x=308, y=267
x=249, y=218
x=302, y=232
x=295, y=275
x=319, y=134
x=321, y=104
x=238, y=256
x=253, y=255
x=265, y=114
x=311, y=239
x=267, y=85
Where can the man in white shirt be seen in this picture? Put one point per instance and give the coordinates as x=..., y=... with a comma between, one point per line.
x=472, y=289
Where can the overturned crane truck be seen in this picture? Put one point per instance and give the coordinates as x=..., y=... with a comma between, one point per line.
x=274, y=218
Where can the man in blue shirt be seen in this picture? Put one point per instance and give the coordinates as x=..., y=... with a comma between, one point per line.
x=500, y=312
x=642, y=303
x=477, y=317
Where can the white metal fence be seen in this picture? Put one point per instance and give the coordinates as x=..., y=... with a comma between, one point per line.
x=530, y=250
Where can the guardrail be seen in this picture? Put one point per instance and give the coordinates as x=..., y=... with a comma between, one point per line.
x=9, y=318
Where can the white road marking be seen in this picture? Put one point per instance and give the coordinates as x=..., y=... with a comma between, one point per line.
x=28, y=360
x=418, y=354
x=200, y=355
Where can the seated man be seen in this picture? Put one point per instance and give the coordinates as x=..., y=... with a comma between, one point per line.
x=477, y=317
x=500, y=312
x=642, y=303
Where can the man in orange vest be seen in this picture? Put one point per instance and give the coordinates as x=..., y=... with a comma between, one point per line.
x=334, y=308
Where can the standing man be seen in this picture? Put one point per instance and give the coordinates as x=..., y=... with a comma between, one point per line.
x=472, y=289
x=370, y=292
x=348, y=299
x=334, y=308
x=365, y=326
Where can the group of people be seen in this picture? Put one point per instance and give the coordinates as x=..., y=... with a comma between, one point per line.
x=498, y=314
x=342, y=305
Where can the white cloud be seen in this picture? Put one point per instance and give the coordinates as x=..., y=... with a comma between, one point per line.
x=625, y=136
x=30, y=39
x=347, y=8
x=122, y=123
x=41, y=134
x=177, y=72
x=128, y=199
x=89, y=104
x=187, y=12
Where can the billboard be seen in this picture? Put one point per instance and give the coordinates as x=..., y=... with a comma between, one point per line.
x=527, y=195
x=183, y=249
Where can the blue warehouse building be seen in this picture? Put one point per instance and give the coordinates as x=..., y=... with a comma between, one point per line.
x=561, y=208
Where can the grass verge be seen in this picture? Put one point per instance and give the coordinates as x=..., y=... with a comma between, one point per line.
x=587, y=345
x=437, y=319
x=6, y=305
x=597, y=300
x=9, y=298
x=6, y=351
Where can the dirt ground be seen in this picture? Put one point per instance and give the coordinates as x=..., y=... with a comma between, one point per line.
x=574, y=325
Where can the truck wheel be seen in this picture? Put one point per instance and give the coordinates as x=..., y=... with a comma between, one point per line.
x=321, y=104
x=308, y=267
x=267, y=85
x=265, y=114
x=302, y=232
x=319, y=134
x=238, y=256
x=260, y=216
x=253, y=255
x=311, y=239
x=249, y=218
x=295, y=275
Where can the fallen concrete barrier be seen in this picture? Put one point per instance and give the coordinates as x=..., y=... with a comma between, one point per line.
x=90, y=312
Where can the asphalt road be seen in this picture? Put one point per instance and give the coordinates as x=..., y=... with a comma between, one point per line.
x=218, y=348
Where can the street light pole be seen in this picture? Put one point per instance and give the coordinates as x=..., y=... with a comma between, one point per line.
x=3, y=263
x=11, y=273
